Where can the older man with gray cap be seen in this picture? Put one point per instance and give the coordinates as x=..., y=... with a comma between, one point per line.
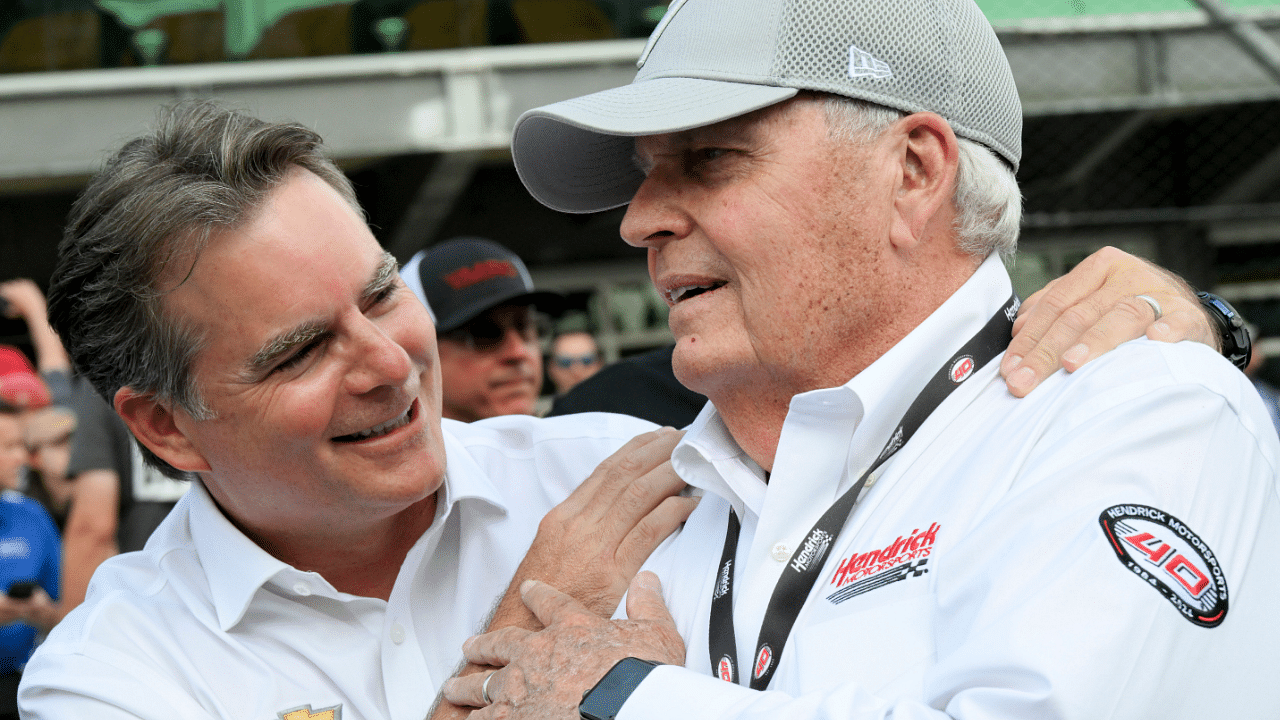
x=825, y=190
x=483, y=303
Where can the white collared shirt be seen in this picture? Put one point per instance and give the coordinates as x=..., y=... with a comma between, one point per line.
x=205, y=624
x=984, y=573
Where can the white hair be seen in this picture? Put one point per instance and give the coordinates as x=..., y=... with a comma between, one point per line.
x=987, y=201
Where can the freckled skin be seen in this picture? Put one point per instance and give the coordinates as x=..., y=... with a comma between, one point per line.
x=823, y=263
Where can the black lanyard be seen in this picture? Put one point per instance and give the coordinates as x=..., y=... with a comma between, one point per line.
x=802, y=571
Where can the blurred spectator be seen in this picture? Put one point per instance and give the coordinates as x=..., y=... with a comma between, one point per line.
x=642, y=386
x=574, y=358
x=22, y=298
x=48, y=440
x=13, y=451
x=20, y=387
x=29, y=558
x=482, y=300
x=115, y=501
x=118, y=499
x=1270, y=395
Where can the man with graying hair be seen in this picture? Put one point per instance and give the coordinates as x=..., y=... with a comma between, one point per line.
x=824, y=190
x=219, y=286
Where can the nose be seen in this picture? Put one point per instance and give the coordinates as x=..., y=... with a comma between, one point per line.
x=655, y=215
x=516, y=347
x=377, y=360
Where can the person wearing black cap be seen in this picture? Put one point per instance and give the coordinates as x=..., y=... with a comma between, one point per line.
x=482, y=300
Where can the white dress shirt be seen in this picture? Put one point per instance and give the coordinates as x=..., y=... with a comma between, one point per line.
x=205, y=624
x=976, y=577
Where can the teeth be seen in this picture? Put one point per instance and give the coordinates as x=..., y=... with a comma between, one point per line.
x=384, y=428
x=680, y=293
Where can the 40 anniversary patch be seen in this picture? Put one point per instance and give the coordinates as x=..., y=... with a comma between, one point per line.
x=1165, y=553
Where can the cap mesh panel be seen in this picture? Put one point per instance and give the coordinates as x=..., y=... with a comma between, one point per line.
x=942, y=54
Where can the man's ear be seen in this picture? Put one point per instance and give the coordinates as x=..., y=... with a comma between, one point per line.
x=153, y=424
x=929, y=155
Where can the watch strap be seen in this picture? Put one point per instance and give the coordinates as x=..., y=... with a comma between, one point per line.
x=604, y=701
x=1233, y=335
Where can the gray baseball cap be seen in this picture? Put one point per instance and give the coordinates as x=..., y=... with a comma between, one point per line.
x=711, y=60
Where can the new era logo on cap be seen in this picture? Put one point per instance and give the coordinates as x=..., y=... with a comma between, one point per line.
x=711, y=60
x=863, y=64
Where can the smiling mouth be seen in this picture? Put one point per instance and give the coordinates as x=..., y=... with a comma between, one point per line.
x=686, y=292
x=378, y=430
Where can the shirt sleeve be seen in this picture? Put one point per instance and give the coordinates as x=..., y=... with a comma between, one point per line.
x=102, y=685
x=1036, y=616
x=60, y=386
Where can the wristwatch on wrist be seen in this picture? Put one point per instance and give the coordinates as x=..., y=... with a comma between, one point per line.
x=604, y=701
x=1232, y=333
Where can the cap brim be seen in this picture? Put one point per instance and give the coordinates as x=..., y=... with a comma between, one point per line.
x=548, y=302
x=576, y=155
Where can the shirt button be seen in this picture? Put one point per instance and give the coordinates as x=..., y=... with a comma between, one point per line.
x=302, y=588
x=397, y=633
x=781, y=552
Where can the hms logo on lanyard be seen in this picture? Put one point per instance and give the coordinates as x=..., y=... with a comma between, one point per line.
x=961, y=369
x=725, y=670
x=814, y=550
x=764, y=659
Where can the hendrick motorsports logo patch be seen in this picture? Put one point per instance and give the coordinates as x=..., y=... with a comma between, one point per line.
x=900, y=560
x=1171, y=558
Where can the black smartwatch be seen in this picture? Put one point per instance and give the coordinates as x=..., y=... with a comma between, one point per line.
x=1232, y=333
x=604, y=701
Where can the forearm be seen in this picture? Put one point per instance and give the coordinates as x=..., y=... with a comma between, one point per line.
x=50, y=355
x=90, y=537
x=83, y=556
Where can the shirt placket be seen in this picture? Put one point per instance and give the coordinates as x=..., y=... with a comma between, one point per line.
x=809, y=467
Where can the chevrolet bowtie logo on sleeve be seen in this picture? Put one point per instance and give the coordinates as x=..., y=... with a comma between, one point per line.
x=1162, y=551
x=306, y=713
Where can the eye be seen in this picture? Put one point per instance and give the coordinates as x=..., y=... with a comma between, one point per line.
x=382, y=300
x=296, y=359
x=710, y=153
x=707, y=162
x=384, y=295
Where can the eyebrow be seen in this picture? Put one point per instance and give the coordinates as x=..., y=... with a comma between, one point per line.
x=731, y=131
x=384, y=276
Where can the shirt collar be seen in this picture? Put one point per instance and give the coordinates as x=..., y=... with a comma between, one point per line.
x=873, y=401
x=464, y=478
x=237, y=567
x=234, y=565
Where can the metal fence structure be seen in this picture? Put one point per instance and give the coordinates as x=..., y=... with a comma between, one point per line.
x=1153, y=125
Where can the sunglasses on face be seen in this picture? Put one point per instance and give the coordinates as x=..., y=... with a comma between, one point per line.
x=567, y=362
x=487, y=332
